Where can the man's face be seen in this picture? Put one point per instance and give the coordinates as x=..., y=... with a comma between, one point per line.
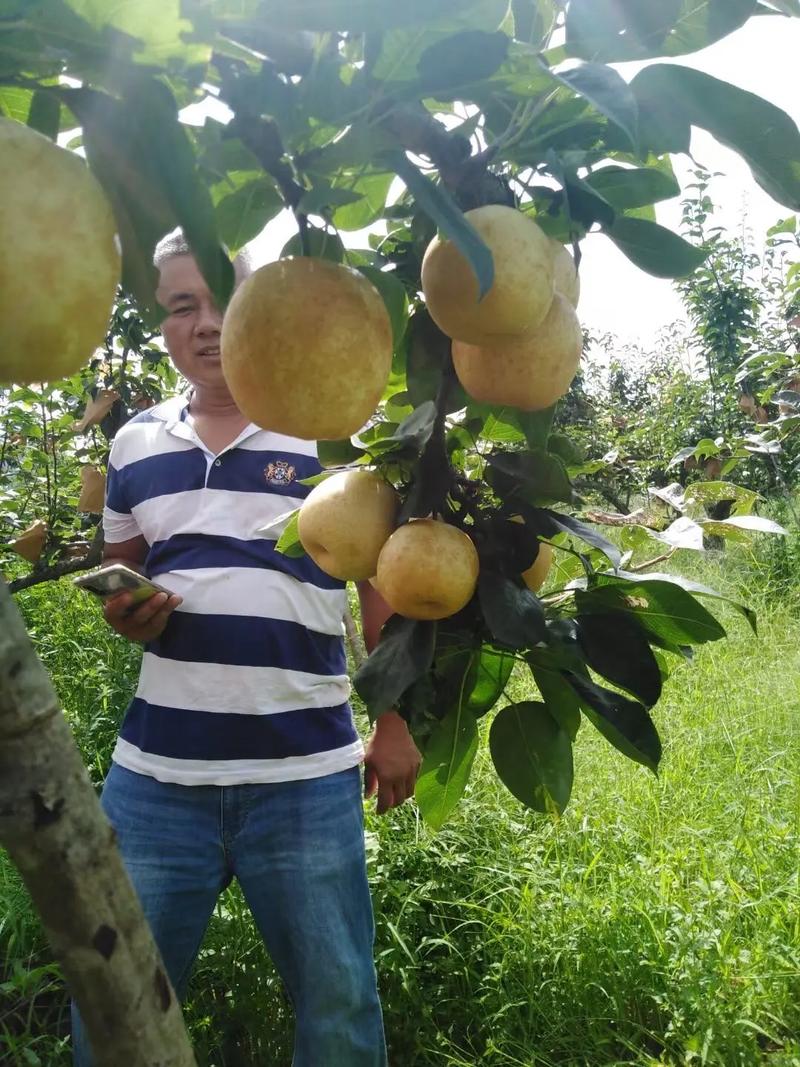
x=192, y=327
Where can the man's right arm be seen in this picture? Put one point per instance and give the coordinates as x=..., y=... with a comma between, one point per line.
x=148, y=621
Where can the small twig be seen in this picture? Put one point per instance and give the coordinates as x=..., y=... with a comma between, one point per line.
x=652, y=562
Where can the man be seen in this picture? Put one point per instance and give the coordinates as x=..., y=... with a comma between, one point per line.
x=238, y=756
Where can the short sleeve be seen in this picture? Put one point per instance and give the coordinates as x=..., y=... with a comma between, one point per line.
x=118, y=522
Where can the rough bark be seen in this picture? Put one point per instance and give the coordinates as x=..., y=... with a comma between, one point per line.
x=56, y=833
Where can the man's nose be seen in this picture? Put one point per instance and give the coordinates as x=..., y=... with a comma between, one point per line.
x=209, y=320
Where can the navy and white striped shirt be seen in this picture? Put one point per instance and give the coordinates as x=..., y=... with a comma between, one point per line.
x=248, y=682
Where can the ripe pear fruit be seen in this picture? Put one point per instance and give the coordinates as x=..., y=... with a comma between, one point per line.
x=307, y=348
x=345, y=521
x=427, y=570
x=566, y=279
x=30, y=543
x=522, y=290
x=59, y=258
x=536, y=575
x=529, y=372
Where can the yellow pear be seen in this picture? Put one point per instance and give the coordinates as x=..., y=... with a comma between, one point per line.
x=307, y=348
x=529, y=372
x=521, y=293
x=30, y=543
x=59, y=258
x=93, y=490
x=427, y=570
x=566, y=279
x=345, y=521
x=536, y=575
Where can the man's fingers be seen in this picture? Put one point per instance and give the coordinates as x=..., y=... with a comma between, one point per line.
x=411, y=785
x=386, y=797
x=151, y=607
x=370, y=782
x=117, y=607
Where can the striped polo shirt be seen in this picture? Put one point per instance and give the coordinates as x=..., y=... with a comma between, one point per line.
x=248, y=682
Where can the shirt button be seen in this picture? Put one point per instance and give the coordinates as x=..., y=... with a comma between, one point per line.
x=217, y=462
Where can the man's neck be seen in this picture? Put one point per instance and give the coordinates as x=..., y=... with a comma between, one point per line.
x=213, y=403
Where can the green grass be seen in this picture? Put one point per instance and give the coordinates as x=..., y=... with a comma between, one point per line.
x=657, y=922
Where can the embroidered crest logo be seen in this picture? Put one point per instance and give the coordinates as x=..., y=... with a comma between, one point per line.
x=279, y=473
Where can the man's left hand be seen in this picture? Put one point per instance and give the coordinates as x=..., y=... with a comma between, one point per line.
x=392, y=762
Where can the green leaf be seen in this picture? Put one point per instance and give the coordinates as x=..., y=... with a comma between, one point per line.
x=338, y=453
x=663, y=608
x=45, y=113
x=615, y=30
x=437, y=203
x=514, y=616
x=655, y=249
x=142, y=156
x=411, y=435
x=463, y=58
x=672, y=99
x=607, y=91
x=559, y=697
x=535, y=476
x=446, y=766
x=357, y=16
x=691, y=587
x=243, y=214
x=403, y=654
x=532, y=755
x=319, y=243
x=156, y=24
x=616, y=648
x=550, y=523
x=289, y=543
x=625, y=723
x=535, y=425
x=394, y=297
x=368, y=206
x=627, y=188
x=15, y=103
x=492, y=674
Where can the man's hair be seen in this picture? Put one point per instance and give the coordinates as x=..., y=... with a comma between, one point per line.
x=175, y=244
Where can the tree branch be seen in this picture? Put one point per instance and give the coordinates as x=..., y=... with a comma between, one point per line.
x=59, y=570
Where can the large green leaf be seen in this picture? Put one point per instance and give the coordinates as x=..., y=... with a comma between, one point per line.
x=616, y=647
x=403, y=654
x=162, y=35
x=446, y=766
x=625, y=723
x=358, y=16
x=372, y=190
x=469, y=56
x=437, y=203
x=394, y=296
x=515, y=617
x=663, y=608
x=535, y=476
x=143, y=158
x=614, y=30
x=560, y=698
x=607, y=91
x=45, y=114
x=626, y=188
x=673, y=98
x=695, y=588
x=492, y=673
x=532, y=755
x=243, y=214
x=654, y=248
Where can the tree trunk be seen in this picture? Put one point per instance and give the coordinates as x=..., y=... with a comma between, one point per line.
x=56, y=833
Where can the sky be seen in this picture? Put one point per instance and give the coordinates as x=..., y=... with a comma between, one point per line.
x=762, y=57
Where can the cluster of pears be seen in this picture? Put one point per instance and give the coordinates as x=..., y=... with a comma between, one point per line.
x=520, y=345
x=424, y=569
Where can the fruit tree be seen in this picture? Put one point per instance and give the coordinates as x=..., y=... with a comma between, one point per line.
x=443, y=160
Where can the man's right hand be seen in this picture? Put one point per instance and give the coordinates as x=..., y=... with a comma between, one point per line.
x=147, y=622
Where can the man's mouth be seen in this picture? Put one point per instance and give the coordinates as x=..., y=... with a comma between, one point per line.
x=210, y=352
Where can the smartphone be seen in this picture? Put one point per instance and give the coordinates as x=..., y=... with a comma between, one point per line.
x=119, y=579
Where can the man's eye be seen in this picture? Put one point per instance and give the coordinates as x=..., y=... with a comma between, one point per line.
x=183, y=310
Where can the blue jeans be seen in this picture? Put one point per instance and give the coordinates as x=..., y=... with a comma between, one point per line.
x=297, y=849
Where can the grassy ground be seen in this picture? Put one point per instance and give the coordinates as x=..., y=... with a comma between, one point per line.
x=657, y=922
